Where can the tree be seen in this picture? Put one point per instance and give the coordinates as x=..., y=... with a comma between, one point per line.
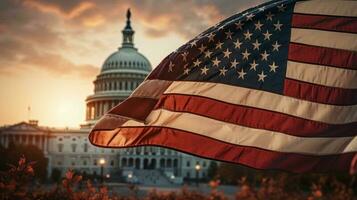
x=31, y=153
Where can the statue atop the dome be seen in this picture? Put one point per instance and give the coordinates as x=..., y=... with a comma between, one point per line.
x=128, y=32
x=128, y=14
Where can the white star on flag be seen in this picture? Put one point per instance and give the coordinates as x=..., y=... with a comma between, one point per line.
x=241, y=74
x=261, y=76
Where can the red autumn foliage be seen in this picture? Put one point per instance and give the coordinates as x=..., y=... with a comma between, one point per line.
x=18, y=183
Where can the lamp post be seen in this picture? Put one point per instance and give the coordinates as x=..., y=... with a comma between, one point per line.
x=198, y=168
x=101, y=162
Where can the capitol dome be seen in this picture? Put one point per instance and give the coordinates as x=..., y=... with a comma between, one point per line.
x=120, y=74
x=126, y=59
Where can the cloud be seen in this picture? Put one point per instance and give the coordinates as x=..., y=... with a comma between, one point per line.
x=53, y=35
x=24, y=57
x=34, y=40
x=59, y=66
x=67, y=9
x=159, y=18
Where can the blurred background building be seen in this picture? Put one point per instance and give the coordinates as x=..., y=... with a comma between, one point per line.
x=68, y=148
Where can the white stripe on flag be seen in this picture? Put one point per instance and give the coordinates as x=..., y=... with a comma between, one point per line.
x=337, y=40
x=331, y=114
x=322, y=75
x=327, y=7
x=245, y=136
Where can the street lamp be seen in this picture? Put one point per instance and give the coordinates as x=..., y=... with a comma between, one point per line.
x=130, y=176
x=198, y=168
x=101, y=162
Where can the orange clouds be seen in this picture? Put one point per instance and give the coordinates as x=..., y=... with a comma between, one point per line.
x=76, y=11
x=93, y=21
x=59, y=66
x=85, y=12
x=209, y=13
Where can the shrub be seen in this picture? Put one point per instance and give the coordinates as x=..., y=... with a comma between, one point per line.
x=18, y=183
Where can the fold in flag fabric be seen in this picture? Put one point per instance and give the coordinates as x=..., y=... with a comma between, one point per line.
x=273, y=87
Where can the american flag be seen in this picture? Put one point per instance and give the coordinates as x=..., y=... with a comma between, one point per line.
x=274, y=87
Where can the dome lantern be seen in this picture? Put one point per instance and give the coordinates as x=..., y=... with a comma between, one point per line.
x=128, y=32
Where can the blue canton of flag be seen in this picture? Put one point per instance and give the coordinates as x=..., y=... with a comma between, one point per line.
x=255, y=56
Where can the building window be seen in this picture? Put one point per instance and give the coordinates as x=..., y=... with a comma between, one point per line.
x=60, y=147
x=73, y=163
x=59, y=163
x=95, y=162
x=74, y=146
x=112, y=162
x=204, y=164
x=188, y=175
x=84, y=162
x=188, y=164
x=73, y=139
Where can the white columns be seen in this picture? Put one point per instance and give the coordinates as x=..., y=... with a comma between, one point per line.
x=99, y=109
x=106, y=106
x=96, y=107
x=141, y=163
x=157, y=166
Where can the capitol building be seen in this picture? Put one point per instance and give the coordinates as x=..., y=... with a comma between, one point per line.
x=68, y=148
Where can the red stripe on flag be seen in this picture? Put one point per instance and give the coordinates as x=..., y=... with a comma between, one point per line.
x=135, y=107
x=323, y=22
x=322, y=56
x=320, y=93
x=253, y=117
x=250, y=156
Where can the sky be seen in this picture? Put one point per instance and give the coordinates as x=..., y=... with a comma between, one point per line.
x=52, y=50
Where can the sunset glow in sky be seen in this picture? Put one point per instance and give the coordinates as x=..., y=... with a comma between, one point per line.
x=51, y=50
